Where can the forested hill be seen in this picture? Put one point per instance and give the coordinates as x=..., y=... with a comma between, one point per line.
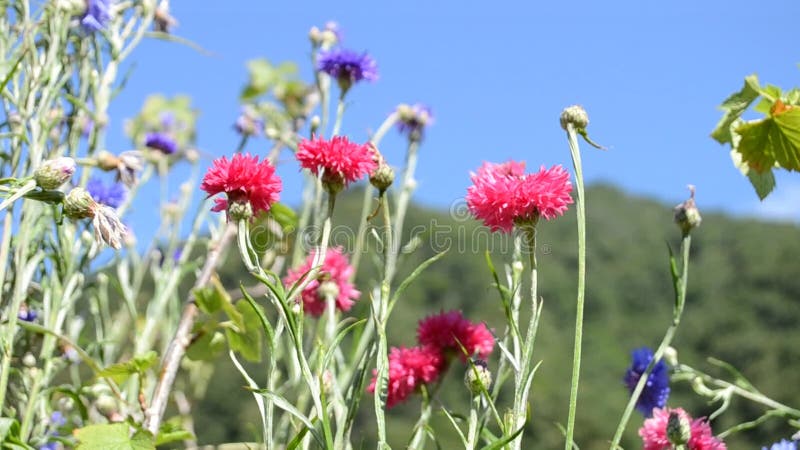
x=743, y=307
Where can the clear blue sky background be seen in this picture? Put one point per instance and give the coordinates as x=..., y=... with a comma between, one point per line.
x=497, y=75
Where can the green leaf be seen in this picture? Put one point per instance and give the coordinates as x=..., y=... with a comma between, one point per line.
x=207, y=347
x=173, y=431
x=247, y=339
x=763, y=183
x=121, y=371
x=771, y=140
x=210, y=299
x=284, y=404
x=734, y=106
x=284, y=215
x=113, y=437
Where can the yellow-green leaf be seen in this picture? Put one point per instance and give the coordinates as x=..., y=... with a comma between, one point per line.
x=116, y=436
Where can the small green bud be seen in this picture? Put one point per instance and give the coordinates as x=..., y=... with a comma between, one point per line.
x=28, y=360
x=328, y=289
x=671, y=356
x=79, y=204
x=240, y=210
x=106, y=404
x=54, y=172
x=575, y=115
x=687, y=216
x=477, y=376
x=679, y=430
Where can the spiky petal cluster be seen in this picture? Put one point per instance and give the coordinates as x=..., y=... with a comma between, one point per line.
x=336, y=269
x=97, y=15
x=340, y=161
x=110, y=195
x=503, y=195
x=348, y=66
x=410, y=368
x=243, y=179
x=450, y=331
x=654, y=432
x=656, y=390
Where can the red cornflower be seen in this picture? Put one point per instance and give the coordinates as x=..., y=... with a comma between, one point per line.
x=242, y=179
x=409, y=368
x=502, y=194
x=654, y=432
x=340, y=161
x=446, y=330
x=334, y=277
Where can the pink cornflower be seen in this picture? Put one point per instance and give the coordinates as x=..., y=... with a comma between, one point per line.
x=334, y=278
x=446, y=330
x=503, y=195
x=340, y=161
x=654, y=432
x=244, y=180
x=409, y=368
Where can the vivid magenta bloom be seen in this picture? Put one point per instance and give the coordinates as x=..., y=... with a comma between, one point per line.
x=334, y=277
x=656, y=390
x=242, y=179
x=340, y=161
x=503, y=195
x=654, y=432
x=347, y=66
x=449, y=331
x=409, y=368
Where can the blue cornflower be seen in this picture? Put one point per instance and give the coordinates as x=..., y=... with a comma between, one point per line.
x=348, y=67
x=248, y=123
x=27, y=314
x=49, y=446
x=111, y=195
x=656, y=390
x=161, y=142
x=412, y=120
x=782, y=445
x=57, y=419
x=97, y=15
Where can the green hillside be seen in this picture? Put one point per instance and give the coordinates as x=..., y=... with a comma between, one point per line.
x=743, y=307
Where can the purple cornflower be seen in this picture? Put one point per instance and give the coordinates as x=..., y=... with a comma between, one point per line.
x=161, y=142
x=248, y=123
x=656, y=390
x=111, y=195
x=57, y=419
x=412, y=120
x=782, y=445
x=348, y=67
x=49, y=446
x=27, y=314
x=97, y=15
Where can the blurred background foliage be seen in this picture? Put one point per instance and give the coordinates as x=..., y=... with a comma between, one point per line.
x=743, y=307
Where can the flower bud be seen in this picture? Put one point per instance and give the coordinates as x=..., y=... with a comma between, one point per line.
x=687, y=216
x=328, y=289
x=240, y=210
x=575, y=115
x=315, y=36
x=79, y=204
x=382, y=177
x=679, y=430
x=54, y=172
x=28, y=360
x=478, y=377
x=671, y=356
x=106, y=404
x=107, y=161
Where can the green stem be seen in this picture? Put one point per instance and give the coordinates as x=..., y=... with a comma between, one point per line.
x=380, y=316
x=522, y=378
x=337, y=126
x=473, y=435
x=680, y=294
x=580, y=206
x=406, y=189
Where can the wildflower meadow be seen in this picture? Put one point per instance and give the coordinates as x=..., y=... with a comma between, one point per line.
x=113, y=338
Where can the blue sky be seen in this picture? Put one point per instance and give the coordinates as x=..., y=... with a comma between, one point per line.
x=650, y=75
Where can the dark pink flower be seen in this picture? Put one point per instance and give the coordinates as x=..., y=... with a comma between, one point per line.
x=242, y=179
x=503, y=195
x=340, y=161
x=449, y=331
x=654, y=432
x=409, y=368
x=334, y=275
